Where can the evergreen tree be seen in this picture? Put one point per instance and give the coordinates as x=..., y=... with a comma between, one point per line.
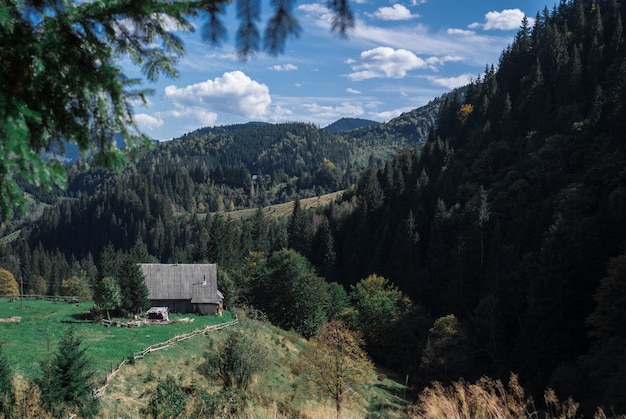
x=6, y=386
x=66, y=382
x=132, y=286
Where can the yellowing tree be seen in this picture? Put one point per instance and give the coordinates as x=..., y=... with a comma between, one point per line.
x=75, y=287
x=8, y=284
x=336, y=363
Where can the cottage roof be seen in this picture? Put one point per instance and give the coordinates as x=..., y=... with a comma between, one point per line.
x=182, y=281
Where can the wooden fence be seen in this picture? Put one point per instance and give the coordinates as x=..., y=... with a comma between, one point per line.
x=157, y=347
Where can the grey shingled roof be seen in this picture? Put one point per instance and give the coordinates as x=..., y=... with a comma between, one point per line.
x=182, y=281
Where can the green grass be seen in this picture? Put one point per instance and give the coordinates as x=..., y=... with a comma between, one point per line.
x=42, y=323
x=277, y=384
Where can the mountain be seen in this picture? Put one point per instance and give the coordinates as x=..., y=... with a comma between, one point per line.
x=348, y=124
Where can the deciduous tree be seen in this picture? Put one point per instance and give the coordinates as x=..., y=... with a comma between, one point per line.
x=336, y=363
x=75, y=287
x=108, y=295
x=8, y=284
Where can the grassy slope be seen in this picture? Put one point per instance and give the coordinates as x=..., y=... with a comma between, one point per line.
x=130, y=390
x=285, y=209
x=43, y=322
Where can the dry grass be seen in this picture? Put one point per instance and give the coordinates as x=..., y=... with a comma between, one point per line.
x=285, y=209
x=490, y=399
x=275, y=393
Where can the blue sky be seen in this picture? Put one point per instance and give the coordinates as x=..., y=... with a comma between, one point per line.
x=398, y=57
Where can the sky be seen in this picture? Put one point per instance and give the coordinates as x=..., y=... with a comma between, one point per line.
x=399, y=56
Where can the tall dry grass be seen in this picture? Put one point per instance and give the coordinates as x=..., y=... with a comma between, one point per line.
x=491, y=399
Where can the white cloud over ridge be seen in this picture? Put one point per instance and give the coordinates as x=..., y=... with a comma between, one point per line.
x=384, y=62
x=395, y=12
x=451, y=82
x=234, y=93
x=506, y=20
x=148, y=122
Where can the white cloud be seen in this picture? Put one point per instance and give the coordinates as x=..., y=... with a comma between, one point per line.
x=284, y=67
x=462, y=32
x=451, y=82
x=476, y=49
x=234, y=93
x=353, y=91
x=435, y=62
x=148, y=122
x=506, y=20
x=343, y=110
x=321, y=13
x=387, y=115
x=384, y=62
x=395, y=12
x=203, y=116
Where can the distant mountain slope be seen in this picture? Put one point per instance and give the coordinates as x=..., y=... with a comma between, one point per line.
x=348, y=124
x=409, y=130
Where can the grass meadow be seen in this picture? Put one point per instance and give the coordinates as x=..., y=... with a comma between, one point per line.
x=34, y=338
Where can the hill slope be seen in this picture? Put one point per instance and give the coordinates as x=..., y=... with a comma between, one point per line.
x=348, y=124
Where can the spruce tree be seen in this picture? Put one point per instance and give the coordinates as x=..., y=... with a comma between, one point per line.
x=66, y=380
x=6, y=385
x=133, y=286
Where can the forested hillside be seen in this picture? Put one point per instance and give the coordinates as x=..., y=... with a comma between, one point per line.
x=511, y=217
x=162, y=201
x=497, y=247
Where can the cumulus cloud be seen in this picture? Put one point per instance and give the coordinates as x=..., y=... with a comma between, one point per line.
x=451, y=82
x=353, y=91
x=148, y=122
x=384, y=62
x=234, y=93
x=506, y=20
x=284, y=67
x=395, y=12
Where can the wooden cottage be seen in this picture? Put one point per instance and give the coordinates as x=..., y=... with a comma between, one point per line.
x=183, y=288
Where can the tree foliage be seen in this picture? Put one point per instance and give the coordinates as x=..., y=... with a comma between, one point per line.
x=132, y=285
x=168, y=399
x=76, y=287
x=66, y=382
x=8, y=284
x=336, y=363
x=108, y=295
x=7, y=398
x=237, y=360
x=287, y=289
